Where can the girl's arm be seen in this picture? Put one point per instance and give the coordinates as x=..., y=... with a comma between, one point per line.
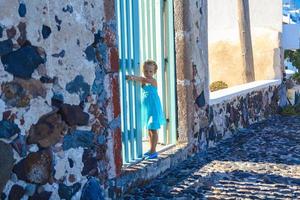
x=142, y=80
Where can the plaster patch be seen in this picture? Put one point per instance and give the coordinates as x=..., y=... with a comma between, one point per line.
x=38, y=107
x=72, y=99
x=63, y=169
x=4, y=75
x=7, y=22
x=52, y=188
x=184, y=82
x=110, y=155
x=2, y=108
x=33, y=148
x=8, y=187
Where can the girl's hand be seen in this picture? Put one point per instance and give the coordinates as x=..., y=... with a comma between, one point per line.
x=129, y=77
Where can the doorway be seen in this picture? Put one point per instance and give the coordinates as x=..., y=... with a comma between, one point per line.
x=146, y=31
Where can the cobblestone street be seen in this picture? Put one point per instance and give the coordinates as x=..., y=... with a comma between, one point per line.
x=262, y=162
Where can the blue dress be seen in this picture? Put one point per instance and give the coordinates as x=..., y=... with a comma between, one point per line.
x=153, y=116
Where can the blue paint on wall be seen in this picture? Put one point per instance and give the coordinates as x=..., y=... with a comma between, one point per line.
x=200, y=101
x=59, y=97
x=78, y=138
x=67, y=192
x=23, y=62
x=46, y=31
x=92, y=190
x=1, y=31
x=115, y=123
x=22, y=10
x=8, y=129
x=68, y=8
x=102, y=49
x=60, y=54
x=98, y=37
x=79, y=87
x=90, y=53
x=98, y=85
x=57, y=100
x=101, y=139
x=6, y=47
x=58, y=22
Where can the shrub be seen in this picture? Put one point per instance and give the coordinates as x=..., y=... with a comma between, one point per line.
x=290, y=110
x=296, y=77
x=217, y=85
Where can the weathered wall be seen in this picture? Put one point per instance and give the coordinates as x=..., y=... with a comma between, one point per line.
x=59, y=106
x=225, y=56
x=239, y=112
x=190, y=18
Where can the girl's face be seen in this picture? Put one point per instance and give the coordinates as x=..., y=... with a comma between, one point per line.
x=149, y=71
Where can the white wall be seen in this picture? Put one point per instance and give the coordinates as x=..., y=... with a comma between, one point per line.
x=225, y=59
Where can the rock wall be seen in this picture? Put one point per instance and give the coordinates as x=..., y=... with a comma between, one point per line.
x=239, y=112
x=59, y=105
x=190, y=22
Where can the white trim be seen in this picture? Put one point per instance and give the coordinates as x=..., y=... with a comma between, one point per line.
x=239, y=90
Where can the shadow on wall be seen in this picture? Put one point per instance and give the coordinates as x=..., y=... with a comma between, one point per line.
x=266, y=58
x=225, y=63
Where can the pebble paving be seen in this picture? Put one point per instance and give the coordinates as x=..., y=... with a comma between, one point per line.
x=261, y=162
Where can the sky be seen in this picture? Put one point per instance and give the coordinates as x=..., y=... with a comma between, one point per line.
x=295, y=3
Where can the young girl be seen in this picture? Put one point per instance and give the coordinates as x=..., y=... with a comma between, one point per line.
x=152, y=109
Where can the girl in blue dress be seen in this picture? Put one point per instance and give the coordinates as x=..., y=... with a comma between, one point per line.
x=152, y=110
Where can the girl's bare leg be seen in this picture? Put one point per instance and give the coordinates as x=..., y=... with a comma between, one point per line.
x=154, y=140
x=150, y=139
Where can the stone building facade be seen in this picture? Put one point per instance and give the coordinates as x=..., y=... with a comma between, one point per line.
x=60, y=135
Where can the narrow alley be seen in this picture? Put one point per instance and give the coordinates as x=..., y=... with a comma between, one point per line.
x=262, y=162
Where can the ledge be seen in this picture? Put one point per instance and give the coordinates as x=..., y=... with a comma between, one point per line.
x=239, y=90
x=144, y=171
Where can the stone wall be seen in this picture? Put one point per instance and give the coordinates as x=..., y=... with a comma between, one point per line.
x=238, y=112
x=59, y=105
x=190, y=18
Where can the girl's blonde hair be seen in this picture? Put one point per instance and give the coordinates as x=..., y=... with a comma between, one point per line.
x=150, y=62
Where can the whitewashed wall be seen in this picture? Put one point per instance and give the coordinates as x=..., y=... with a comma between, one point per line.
x=225, y=61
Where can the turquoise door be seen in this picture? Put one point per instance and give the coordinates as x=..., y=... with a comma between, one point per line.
x=145, y=32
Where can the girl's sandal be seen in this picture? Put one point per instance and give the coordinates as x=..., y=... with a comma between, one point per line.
x=152, y=156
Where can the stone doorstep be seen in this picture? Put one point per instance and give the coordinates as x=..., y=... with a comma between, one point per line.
x=146, y=170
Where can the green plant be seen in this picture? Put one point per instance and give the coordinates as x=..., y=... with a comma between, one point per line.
x=217, y=85
x=293, y=56
x=288, y=110
x=296, y=77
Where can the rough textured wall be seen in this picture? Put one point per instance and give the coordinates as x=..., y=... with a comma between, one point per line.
x=190, y=18
x=225, y=56
x=239, y=112
x=59, y=106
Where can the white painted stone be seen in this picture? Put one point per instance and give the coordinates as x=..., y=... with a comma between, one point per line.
x=110, y=155
x=72, y=99
x=16, y=156
x=4, y=76
x=240, y=90
x=54, y=189
x=33, y=148
x=38, y=108
x=63, y=168
x=2, y=108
